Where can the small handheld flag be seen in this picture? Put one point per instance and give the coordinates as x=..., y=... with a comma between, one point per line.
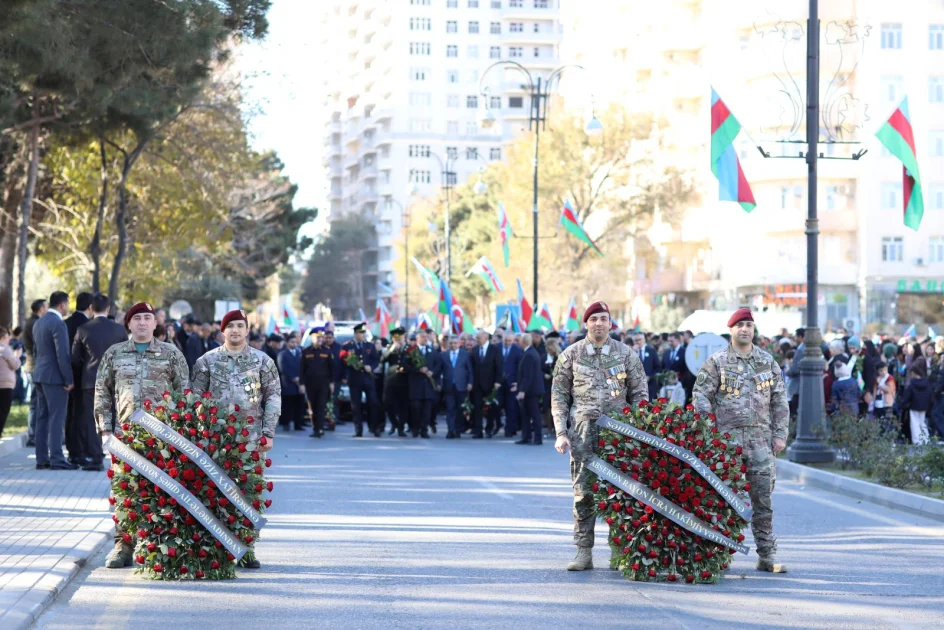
x=289, y=319
x=525, y=308
x=572, y=224
x=487, y=273
x=572, y=323
x=725, y=164
x=898, y=137
x=430, y=280
x=541, y=320
x=504, y=231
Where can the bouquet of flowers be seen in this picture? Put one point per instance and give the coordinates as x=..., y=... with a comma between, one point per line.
x=490, y=401
x=418, y=361
x=329, y=416
x=169, y=543
x=467, y=410
x=352, y=360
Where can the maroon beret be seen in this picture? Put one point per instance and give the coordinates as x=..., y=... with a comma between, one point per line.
x=740, y=315
x=137, y=309
x=233, y=316
x=593, y=309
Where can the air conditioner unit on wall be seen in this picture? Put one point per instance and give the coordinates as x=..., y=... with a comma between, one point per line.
x=919, y=261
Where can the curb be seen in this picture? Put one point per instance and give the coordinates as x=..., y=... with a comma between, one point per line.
x=13, y=443
x=867, y=491
x=42, y=594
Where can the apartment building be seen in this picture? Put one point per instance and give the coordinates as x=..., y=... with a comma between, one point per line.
x=403, y=94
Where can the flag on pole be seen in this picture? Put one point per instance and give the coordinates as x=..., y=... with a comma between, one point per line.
x=272, y=327
x=363, y=317
x=541, y=320
x=504, y=231
x=912, y=331
x=572, y=323
x=898, y=137
x=636, y=324
x=725, y=164
x=525, y=308
x=289, y=319
x=383, y=318
x=430, y=280
x=487, y=273
x=460, y=323
x=931, y=333
x=572, y=224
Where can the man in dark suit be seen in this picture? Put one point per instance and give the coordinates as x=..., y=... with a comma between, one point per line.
x=511, y=357
x=361, y=382
x=650, y=362
x=75, y=446
x=91, y=341
x=675, y=361
x=487, y=377
x=198, y=343
x=293, y=400
x=530, y=383
x=52, y=376
x=37, y=309
x=457, y=383
x=423, y=385
x=319, y=370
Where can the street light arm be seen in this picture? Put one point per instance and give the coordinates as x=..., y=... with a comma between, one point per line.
x=483, y=89
x=556, y=75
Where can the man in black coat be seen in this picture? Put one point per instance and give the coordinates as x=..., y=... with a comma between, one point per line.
x=487, y=377
x=319, y=371
x=650, y=363
x=77, y=454
x=289, y=365
x=396, y=393
x=362, y=381
x=424, y=385
x=92, y=339
x=198, y=343
x=530, y=389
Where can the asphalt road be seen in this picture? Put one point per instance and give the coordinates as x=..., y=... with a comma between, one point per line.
x=404, y=533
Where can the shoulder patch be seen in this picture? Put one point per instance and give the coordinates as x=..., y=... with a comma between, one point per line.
x=702, y=378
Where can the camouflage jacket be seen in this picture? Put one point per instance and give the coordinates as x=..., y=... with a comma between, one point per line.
x=743, y=391
x=595, y=382
x=126, y=378
x=247, y=378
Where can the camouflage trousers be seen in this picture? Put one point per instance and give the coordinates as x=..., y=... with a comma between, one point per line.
x=583, y=440
x=762, y=475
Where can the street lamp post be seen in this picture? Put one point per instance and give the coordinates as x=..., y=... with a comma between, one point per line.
x=405, y=225
x=540, y=92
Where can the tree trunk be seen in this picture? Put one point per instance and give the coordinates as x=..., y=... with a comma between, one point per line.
x=8, y=254
x=95, y=248
x=26, y=210
x=121, y=223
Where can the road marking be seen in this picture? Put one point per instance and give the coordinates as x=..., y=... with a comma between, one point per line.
x=488, y=485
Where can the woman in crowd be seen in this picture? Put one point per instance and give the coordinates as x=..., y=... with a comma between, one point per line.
x=9, y=364
x=553, y=353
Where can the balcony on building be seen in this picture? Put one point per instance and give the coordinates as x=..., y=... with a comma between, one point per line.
x=528, y=10
x=547, y=33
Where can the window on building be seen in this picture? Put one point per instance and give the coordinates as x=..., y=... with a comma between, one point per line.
x=471, y=128
x=452, y=76
x=516, y=27
x=452, y=26
x=451, y=178
x=419, y=177
x=936, y=144
x=494, y=153
x=421, y=3
x=936, y=249
x=936, y=37
x=515, y=102
x=936, y=89
x=452, y=100
x=419, y=48
x=496, y=4
x=892, y=249
x=542, y=4
x=452, y=4
x=421, y=99
x=473, y=27
x=832, y=196
x=452, y=127
x=515, y=51
x=494, y=27
x=421, y=124
x=515, y=4
x=537, y=27
x=537, y=51
x=891, y=36
x=452, y=153
x=471, y=153
x=452, y=51
x=494, y=52
x=419, y=150
x=420, y=24
x=471, y=101
x=472, y=76
x=936, y=197
x=418, y=74
x=494, y=102
x=892, y=88
x=473, y=51
x=891, y=196
x=473, y=4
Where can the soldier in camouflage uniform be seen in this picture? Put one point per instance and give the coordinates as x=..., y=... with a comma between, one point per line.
x=743, y=386
x=594, y=376
x=131, y=372
x=236, y=373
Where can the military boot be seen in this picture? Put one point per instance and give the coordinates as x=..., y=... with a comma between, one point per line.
x=583, y=561
x=119, y=557
x=770, y=564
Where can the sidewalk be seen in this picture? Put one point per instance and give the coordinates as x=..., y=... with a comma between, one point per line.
x=51, y=523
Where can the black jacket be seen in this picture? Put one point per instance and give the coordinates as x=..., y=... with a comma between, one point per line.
x=196, y=348
x=530, y=377
x=420, y=386
x=487, y=371
x=917, y=395
x=92, y=339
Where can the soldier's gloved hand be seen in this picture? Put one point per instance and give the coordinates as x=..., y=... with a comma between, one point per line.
x=779, y=445
x=562, y=445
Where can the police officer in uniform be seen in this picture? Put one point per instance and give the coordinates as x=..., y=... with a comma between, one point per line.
x=595, y=376
x=362, y=381
x=239, y=374
x=141, y=368
x=742, y=386
x=396, y=390
x=318, y=373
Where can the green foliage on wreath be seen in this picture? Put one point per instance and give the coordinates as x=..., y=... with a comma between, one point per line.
x=645, y=545
x=169, y=543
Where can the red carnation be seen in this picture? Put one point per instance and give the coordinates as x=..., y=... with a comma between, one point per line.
x=652, y=572
x=199, y=574
x=231, y=519
x=705, y=575
x=747, y=486
x=601, y=504
x=267, y=502
x=181, y=404
x=643, y=403
x=206, y=395
x=236, y=407
x=626, y=410
x=635, y=566
x=656, y=409
x=214, y=565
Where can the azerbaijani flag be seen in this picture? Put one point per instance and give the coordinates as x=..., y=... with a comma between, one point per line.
x=430, y=280
x=487, y=273
x=572, y=323
x=898, y=137
x=541, y=320
x=460, y=323
x=383, y=318
x=504, y=230
x=732, y=185
x=272, y=327
x=289, y=319
x=525, y=308
x=572, y=224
